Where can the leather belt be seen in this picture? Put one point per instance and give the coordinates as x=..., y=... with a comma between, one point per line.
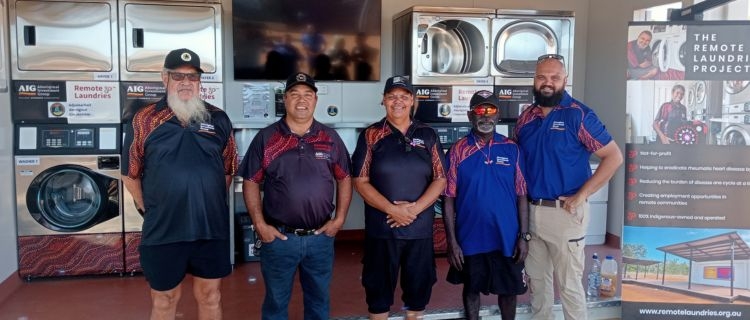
x=548, y=203
x=296, y=231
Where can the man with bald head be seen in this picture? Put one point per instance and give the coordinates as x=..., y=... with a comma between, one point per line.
x=557, y=135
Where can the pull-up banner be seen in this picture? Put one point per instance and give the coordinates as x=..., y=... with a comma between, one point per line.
x=687, y=202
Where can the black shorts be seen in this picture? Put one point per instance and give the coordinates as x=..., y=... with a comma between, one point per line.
x=166, y=265
x=382, y=260
x=490, y=273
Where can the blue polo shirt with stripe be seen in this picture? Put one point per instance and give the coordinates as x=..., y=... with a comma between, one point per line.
x=557, y=147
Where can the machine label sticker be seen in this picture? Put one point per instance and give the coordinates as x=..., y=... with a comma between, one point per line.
x=27, y=161
x=26, y=173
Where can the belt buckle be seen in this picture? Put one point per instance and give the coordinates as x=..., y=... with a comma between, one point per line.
x=302, y=232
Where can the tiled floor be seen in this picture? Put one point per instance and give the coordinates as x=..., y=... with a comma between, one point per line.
x=127, y=297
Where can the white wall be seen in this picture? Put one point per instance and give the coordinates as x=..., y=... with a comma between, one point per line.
x=8, y=252
x=741, y=274
x=605, y=82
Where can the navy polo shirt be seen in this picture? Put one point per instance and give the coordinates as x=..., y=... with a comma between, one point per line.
x=183, y=173
x=400, y=167
x=299, y=174
x=557, y=147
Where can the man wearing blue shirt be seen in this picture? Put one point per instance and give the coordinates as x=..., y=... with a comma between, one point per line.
x=558, y=134
x=486, y=212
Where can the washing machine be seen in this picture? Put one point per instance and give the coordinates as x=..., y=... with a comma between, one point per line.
x=668, y=46
x=68, y=200
x=444, y=46
x=521, y=36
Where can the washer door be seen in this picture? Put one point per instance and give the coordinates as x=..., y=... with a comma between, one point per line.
x=735, y=136
x=72, y=198
x=519, y=43
x=453, y=47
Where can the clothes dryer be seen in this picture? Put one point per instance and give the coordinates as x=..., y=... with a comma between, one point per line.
x=445, y=46
x=68, y=200
x=521, y=36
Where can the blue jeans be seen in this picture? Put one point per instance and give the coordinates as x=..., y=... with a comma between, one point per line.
x=280, y=259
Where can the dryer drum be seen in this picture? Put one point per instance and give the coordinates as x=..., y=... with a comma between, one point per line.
x=518, y=45
x=452, y=47
x=70, y=198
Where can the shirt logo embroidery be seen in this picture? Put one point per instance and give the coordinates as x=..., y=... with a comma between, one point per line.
x=322, y=155
x=558, y=125
x=416, y=142
x=503, y=161
x=207, y=128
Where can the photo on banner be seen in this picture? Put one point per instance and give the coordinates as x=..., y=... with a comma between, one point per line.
x=686, y=230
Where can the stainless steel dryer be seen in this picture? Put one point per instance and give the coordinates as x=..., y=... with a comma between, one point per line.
x=63, y=39
x=436, y=45
x=521, y=36
x=68, y=200
x=150, y=29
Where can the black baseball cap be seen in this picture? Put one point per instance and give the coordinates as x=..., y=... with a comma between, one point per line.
x=182, y=57
x=484, y=97
x=398, y=82
x=300, y=78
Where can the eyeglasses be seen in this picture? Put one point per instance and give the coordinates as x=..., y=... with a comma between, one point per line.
x=485, y=111
x=401, y=97
x=177, y=76
x=550, y=56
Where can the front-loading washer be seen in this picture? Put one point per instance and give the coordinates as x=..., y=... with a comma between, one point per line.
x=521, y=36
x=442, y=45
x=735, y=134
x=736, y=91
x=669, y=47
x=68, y=200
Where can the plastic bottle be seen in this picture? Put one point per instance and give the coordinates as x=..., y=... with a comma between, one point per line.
x=608, y=287
x=594, y=277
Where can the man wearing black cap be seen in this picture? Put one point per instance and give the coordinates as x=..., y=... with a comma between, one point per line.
x=398, y=169
x=181, y=157
x=301, y=164
x=486, y=212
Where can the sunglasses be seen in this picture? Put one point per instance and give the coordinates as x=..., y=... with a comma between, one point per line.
x=484, y=111
x=550, y=56
x=177, y=76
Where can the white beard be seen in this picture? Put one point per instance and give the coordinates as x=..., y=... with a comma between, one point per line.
x=187, y=111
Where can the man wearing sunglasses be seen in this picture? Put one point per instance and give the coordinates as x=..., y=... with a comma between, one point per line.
x=486, y=212
x=181, y=156
x=557, y=135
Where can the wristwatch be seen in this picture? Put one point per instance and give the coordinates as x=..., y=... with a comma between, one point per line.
x=526, y=236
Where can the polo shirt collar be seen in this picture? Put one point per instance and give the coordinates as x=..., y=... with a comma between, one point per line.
x=162, y=103
x=284, y=127
x=472, y=138
x=566, y=101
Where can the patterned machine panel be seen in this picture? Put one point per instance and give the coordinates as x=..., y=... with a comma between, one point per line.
x=70, y=255
x=132, y=257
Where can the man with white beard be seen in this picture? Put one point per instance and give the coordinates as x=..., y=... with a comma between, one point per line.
x=486, y=212
x=181, y=156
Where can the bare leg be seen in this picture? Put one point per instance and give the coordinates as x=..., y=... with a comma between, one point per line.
x=471, y=305
x=507, y=304
x=379, y=316
x=164, y=303
x=414, y=315
x=208, y=295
